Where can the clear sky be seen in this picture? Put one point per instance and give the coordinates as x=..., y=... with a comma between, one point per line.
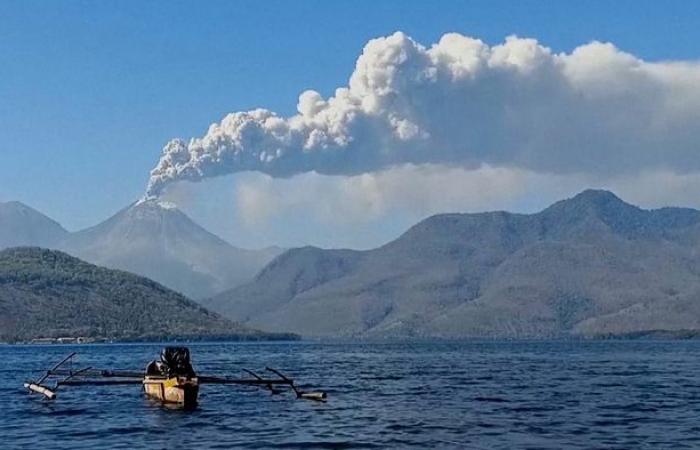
x=91, y=91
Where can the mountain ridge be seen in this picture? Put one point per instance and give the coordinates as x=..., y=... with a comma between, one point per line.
x=573, y=268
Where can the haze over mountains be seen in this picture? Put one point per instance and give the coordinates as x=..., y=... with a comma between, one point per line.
x=588, y=266
x=149, y=238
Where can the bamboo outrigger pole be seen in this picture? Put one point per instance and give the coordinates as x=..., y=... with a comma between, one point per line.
x=39, y=388
x=318, y=396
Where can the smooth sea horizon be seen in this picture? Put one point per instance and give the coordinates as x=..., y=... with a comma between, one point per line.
x=481, y=394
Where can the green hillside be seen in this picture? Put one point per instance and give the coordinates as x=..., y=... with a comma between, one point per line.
x=49, y=294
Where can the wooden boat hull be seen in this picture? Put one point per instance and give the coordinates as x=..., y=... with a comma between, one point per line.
x=178, y=391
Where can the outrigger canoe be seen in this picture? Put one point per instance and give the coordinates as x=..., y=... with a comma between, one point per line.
x=170, y=380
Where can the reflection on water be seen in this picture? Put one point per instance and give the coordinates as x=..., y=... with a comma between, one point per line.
x=475, y=394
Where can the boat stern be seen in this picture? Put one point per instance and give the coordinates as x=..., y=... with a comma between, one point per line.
x=181, y=391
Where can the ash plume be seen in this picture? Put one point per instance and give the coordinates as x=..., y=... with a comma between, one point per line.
x=461, y=102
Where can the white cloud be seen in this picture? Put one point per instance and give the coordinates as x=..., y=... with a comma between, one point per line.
x=363, y=211
x=460, y=102
x=455, y=126
x=414, y=190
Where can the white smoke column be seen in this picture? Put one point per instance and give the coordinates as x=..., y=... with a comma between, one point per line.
x=461, y=102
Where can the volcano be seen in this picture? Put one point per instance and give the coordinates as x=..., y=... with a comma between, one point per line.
x=155, y=239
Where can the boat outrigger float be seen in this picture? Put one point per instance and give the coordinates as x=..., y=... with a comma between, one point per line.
x=171, y=380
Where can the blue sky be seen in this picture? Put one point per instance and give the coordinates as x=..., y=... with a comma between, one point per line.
x=91, y=91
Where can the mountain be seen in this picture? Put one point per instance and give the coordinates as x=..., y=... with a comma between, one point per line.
x=149, y=238
x=591, y=265
x=156, y=240
x=22, y=225
x=49, y=294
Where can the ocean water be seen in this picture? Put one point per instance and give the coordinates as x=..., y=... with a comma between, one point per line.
x=474, y=394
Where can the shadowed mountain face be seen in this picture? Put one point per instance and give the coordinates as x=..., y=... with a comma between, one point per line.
x=45, y=293
x=158, y=241
x=590, y=265
x=22, y=225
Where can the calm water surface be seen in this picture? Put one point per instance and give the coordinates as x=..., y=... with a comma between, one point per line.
x=425, y=395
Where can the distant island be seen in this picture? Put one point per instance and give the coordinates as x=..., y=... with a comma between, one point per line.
x=50, y=297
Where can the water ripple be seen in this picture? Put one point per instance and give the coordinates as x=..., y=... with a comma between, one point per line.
x=475, y=394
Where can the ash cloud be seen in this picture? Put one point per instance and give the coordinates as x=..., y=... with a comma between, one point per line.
x=460, y=102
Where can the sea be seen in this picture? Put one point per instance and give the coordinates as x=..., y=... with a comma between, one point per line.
x=468, y=394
